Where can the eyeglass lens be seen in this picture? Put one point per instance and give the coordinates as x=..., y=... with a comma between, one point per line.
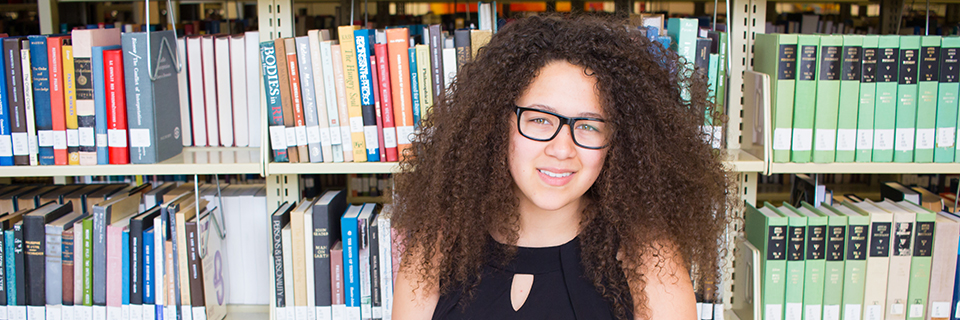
x=544, y=126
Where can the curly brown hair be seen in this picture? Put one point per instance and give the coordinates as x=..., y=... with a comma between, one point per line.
x=660, y=182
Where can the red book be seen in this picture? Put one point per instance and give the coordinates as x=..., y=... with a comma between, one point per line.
x=116, y=107
x=294, y=72
x=376, y=104
x=336, y=274
x=397, y=45
x=57, y=104
x=389, y=137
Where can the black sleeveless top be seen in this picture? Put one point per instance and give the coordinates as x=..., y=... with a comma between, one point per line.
x=559, y=290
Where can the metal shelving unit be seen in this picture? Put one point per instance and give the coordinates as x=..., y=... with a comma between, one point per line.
x=193, y=160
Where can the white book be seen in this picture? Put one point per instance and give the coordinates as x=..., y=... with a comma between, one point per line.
x=330, y=100
x=159, y=281
x=28, y=109
x=134, y=311
x=66, y=313
x=363, y=228
x=878, y=259
x=208, y=55
x=185, y=132
x=18, y=312
x=78, y=268
x=386, y=260
x=287, y=241
x=323, y=121
x=449, y=65
x=224, y=98
x=901, y=254
x=310, y=310
x=53, y=312
x=346, y=137
x=238, y=77
x=197, y=100
x=254, y=81
x=255, y=246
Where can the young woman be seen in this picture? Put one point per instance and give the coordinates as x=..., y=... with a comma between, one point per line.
x=562, y=176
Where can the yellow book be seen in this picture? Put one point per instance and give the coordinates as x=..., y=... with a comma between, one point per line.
x=478, y=39
x=351, y=82
x=423, y=77
x=70, y=103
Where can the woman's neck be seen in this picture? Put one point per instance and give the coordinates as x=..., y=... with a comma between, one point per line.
x=543, y=228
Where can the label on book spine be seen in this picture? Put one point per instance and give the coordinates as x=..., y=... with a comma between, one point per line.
x=846, y=139
x=87, y=137
x=6, y=147
x=831, y=312
x=278, y=138
x=389, y=137
x=864, y=139
x=335, y=135
x=301, y=136
x=20, y=143
x=140, y=138
x=773, y=312
x=781, y=139
x=874, y=312
x=825, y=139
x=916, y=311
x=34, y=312
x=324, y=313
x=324, y=136
x=403, y=134
x=370, y=136
x=896, y=308
x=945, y=137
x=291, y=135
x=53, y=312
x=313, y=134
x=940, y=309
x=66, y=313
x=812, y=312
x=904, y=141
x=356, y=124
x=45, y=138
x=59, y=139
x=851, y=311
x=925, y=138
x=117, y=138
x=802, y=139
x=883, y=139
x=793, y=311
x=73, y=137
x=102, y=140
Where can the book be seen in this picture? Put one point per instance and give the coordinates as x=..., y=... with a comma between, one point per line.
x=98, y=64
x=826, y=112
x=478, y=39
x=320, y=99
x=461, y=38
x=326, y=231
x=868, y=98
x=298, y=253
x=386, y=100
x=40, y=74
x=343, y=113
x=436, y=60
x=107, y=213
x=338, y=305
x=155, y=135
x=374, y=77
x=58, y=107
x=415, y=85
x=782, y=68
x=309, y=98
x=945, y=150
x=397, y=49
x=927, y=98
x=885, y=107
x=365, y=285
x=15, y=96
x=223, y=89
x=363, y=41
x=850, y=77
x=351, y=85
x=212, y=270
x=252, y=64
x=6, y=145
x=280, y=219
x=271, y=83
x=385, y=256
x=803, y=106
x=194, y=72
x=286, y=101
x=350, y=235
x=815, y=260
x=331, y=99
x=878, y=259
x=70, y=103
x=943, y=271
x=34, y=236
x=907, y=99
x=898, y=192
x=901, y=254
x=795, y=270
x=116, y=107
x=28, y=103
x=198, y=307
x=183, y=86
x=208, y=70
x=67, y=279
x=424, y=70
x=921, y=263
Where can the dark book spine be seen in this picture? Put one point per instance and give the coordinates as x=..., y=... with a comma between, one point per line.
x=836, y=236
x=375, y=264
x=816, y=242
x=83, y=72
x=100, y=255
x=67, y=267
x=436, y=57
x=196, y=269
x=271, y=82
x=321, y=255
x=20, y=272
x=363, y=40
x=923, y=242
x=34, y=260
x=3, y=269
x=880, y=239
x=276, y=225
x=18, y=116
x=39, y=63
x=461, y=41
x=795, y=241
x=136, y=267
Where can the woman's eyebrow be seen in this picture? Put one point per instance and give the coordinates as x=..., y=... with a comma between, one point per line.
x=551, y=109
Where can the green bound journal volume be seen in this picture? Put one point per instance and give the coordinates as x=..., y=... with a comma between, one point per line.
x=906, y=123
x=868, y=99
x=829, y=70
x=927, y=98
x=849, y=98
x=780, y=65
x=885, y=108
x=804, y=102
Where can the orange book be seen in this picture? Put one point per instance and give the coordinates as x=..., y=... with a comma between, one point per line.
x=57, y=101
x=397, y=45
x=288, y=122
x=297, y=104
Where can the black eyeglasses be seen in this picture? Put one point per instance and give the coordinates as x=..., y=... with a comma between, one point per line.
x=539, y=125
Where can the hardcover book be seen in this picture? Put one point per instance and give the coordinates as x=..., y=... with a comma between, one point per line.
x=927, y=98
x=803, y=106
x=782, y=69
x=948, y=87
x=906, y=119
x=885, y=112
x=850, y=78
x=351, y=84
x=830, y=71
x=39, y=66
x=868, y=98
x=271, y=83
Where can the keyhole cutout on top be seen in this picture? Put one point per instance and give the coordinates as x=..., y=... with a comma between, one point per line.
x=520, y=289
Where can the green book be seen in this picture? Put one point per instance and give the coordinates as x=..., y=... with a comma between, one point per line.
x=855, y=264
x=711, y=129
x=928, y=85
x=780, y=64
x=885, y=108
x=829, y=72
x=796, y=267
x=946, y=149
x=804, y=100
x=815, y=259
x=834, y=268
x=767, y=230
x=721, y=101
x=849, y=98
x=921, y=261
x=683, y=36
x=868, y=97
x=906, y=123
x=88, y=261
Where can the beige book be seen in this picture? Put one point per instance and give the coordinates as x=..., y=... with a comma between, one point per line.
x=929, y=200
x=299, y=256
x=944, y=266
x=478, y=39
x=901, y=254
x=878, y=259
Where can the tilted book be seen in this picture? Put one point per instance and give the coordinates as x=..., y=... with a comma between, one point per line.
x=868, y=99
x=944, y=266
x=929, y=83
x=885, y=107
x=850, y=76
x=947, y=90
x=829, y=74
x=906, y=119
x=780, y=64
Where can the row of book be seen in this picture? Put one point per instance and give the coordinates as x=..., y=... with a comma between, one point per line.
x=117, y=251
x=855, y=98
x=358, y=98
x=332, y=260
x=855, y=260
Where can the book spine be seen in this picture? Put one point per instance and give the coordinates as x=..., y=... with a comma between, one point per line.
x=351, y=86
x=815, y=263
x=10, y=266
x=436, y=57
x=139, y=103
x=113, y=271
x=386, y=265
x=271, y=82
x=449, y=66
x=238, y=76
x=98, y=65
x=15, y=91
x=298, y=234
x=57, y=99
x=195, y=270
x=86, y=110
x=855, y=266
x=878, y=264
x=783, y=79
x=116, y=101
x=868, y=98
x=34, y=259
x=399, y=61
x=88, y=262
x=885, y=112
x=338, y=305
x=943, y=272
x=68, y=265
x=278, y=267
x=286, y=100
x=99, y=255
x=224, y=92
x=850, y=76
x=147, y=295
x=374, y=252
x=135, y=253
x=907, y=99
x=386, y=103
x=20, y=265
x=208, y=69
x=29, y=105
x=183, y=86
x=833, y=272
x=827, y=106
x=53, y=264
x=307, y=250
x=424, y=81
x=926, y=124
x=309, y=99
x=793, y=296
x=4, y=273
x=320, y=99
x=70, y=101
x=6, y=144
x=39, y=66
x=803, y=106
x=363, y=41
x=948, y=88
x=414, y=87
x=331, y=101
x=351, y=263
x=125, y=278
x=296, y=99
x=252, y=42
x=363, y=261
x=378, y=108
x=346, y=136
x=901, y=256
x=194, y=71
x=920, y=266
x=322, y=239
x=462, y=43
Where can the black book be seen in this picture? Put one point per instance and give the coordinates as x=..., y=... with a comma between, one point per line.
x=193, y=259
x=375, y=263
x=34, y=234
x=461, y=41
x=104, y=214
x=18, y=262
x=15, y=93
x=701, y=60
x=278, y=220
x=326, y=232
x=139, y=223
x=436, y=56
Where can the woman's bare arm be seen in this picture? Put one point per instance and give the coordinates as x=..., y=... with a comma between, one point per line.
x=413, y=298
x=668, y=288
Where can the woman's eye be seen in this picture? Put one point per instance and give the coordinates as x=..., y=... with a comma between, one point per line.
x=540, y=121
x=587, y=127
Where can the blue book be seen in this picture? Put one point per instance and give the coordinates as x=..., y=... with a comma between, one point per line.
x=11, y=268
x=414, y=86
x=6, y=144
x=100, y=102
x=953, y=309
x=351, y=259
x=125, y=254
x=41, y=98
x=271, y=83
x=148, y=249
x=364, y=39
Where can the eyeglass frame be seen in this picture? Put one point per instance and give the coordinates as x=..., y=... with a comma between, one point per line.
x=569, y=121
